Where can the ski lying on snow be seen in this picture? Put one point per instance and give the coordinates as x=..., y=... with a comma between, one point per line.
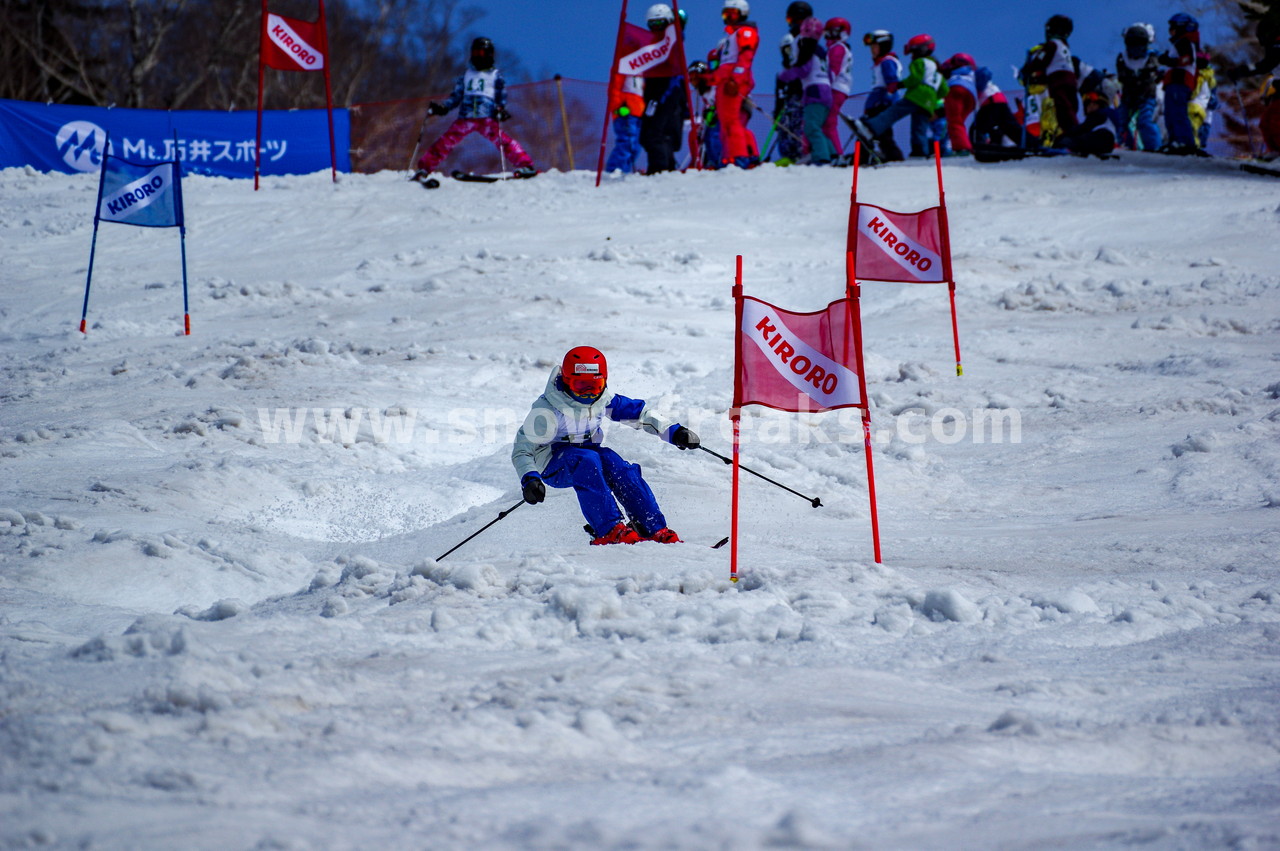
x=1272, y=168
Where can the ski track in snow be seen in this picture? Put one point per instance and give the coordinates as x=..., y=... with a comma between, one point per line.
x=212, y=636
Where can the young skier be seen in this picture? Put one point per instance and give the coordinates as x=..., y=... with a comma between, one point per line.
x=1204, y=100
x=1097, y=133
x=994, y=123
x=665, y=106
x=789, y=102
x=886, y=78
x=626, y=103
x=840, y=67
x=924, y=90
x=480, y=97
x=810, y=70
x=1179, y=80
x=734, y=82
x=1139, y=73
x=1054, y=62
x=962, y=98
x=561, y=444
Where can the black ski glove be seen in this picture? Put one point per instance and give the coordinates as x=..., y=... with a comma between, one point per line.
x=682, y=438
x=436, y=109
x=502, y=114
x=534, y=490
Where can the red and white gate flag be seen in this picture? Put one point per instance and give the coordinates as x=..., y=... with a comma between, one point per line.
x=290, y=44
x=801, y=362
x=889, y=246
x=641, y=56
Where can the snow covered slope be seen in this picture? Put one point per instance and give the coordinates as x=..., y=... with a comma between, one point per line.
x=222, y=625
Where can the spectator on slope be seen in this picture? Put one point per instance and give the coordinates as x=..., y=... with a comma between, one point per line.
x=1179, y=81
x=810, y=70
x=1097, y=134
x=480, y=97
x=626, y=105
x=1204, y=100
x=995, y=122
x=665, y=106
x=561, y=444
x=789, y=103
x=886, y=78
x=1138, y=70
x=961, y=100
x=1053, y=63
x=923, y=92
x=840, y=66
x=702, y=81
x=734, y=83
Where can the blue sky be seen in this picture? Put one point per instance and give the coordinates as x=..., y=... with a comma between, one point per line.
x=575, y=37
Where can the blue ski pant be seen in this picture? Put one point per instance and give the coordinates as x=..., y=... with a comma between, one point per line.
x=1176, y=120
x=602, y=478
x=1143, y=114
x=626, y=144
x=921, y=124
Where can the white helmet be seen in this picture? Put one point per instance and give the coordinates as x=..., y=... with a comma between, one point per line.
x=660, y=12
x=740, y=5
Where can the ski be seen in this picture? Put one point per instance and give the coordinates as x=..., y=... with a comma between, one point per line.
x=717, y=545
x=425, y=180
x=473, y=177
x=1270, y=169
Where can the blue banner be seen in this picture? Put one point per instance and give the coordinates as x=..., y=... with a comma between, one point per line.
x=56, y=137
x=136, y=194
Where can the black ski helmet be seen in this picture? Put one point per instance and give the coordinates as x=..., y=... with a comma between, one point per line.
x=796, y=14
x=1059, y=26
x=482, y=54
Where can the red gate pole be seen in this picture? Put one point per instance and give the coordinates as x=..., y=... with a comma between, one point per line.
x=946, y=254
x=613, y=69
x=735, y=414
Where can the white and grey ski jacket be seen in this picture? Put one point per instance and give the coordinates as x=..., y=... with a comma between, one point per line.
x=556, y=417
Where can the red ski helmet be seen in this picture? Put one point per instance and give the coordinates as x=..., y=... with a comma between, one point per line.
x=959, y=60
x=920, y=45
x=584, y=372
x=836, y=27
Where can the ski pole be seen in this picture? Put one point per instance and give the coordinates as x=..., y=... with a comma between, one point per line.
x=813, y=500
x=413, y=160
x=482, y=528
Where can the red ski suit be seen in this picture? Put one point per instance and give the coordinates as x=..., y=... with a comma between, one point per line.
x=733, y=84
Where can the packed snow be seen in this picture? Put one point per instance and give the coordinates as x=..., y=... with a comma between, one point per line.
x=224, y=624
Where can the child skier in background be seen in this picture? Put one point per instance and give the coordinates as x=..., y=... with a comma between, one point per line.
x=810, y=70
x=961, y=100
x=702, y=80
x=1097, y=134
x=480, y=97
x=1053, y=61
x=734, y=83
x=626, y=104
x=561, y=444
x=1204, y=101
x=1179, y=81
x=1139, y=73
x=995, y=122
x=840, y=67
x=886, y=78
x=923, y=93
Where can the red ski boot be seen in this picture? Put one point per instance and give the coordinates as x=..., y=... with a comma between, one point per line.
x=620, y=534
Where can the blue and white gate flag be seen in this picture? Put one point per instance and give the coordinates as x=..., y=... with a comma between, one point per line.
x=135, y=194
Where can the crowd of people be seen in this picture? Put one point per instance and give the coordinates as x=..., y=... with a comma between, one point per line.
x=1154, y=99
